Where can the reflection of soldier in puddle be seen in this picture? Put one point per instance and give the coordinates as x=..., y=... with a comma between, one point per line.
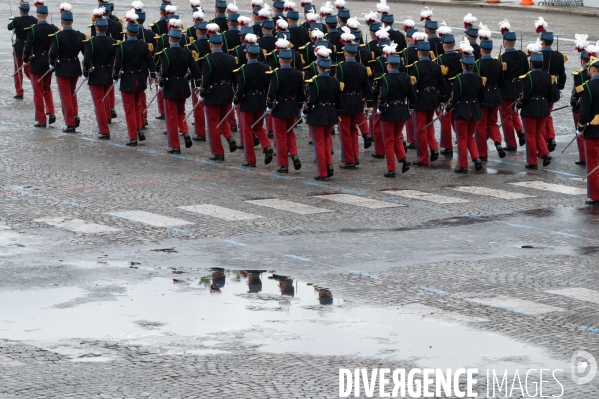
x=254, y=282
x=325, y=296
x=218, y=279
x=286, y=286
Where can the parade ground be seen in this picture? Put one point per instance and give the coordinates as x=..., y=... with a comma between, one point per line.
x=128, y=272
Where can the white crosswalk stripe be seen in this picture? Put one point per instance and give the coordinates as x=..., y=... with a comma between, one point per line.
x=422, y=196
x=556, y=188
x=492, y=192
x=77, y=225
x=358, y=201
x=516, y=305
x=289, y=206
x=220, y=212
x=581, y=294
x=431, y=312
x=150, y=218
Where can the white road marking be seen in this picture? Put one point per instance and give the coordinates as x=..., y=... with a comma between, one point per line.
x=516, y=305
x=77, y=225
x=425, y=311
x=150, y=218
x=556, y=188
x=582, y=294
x=359, y=201
x=422, y=196
x=220, y=212
x=289, y=206
x=492, y=192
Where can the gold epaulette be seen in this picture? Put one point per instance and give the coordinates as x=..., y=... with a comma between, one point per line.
x=27, y=28
x=377, y=78
x=307, y=66
x=301, y=48
x=444, y=70
x=372, y=54
x=53, y=34
x=451, y=78
x=369, y=61
x=90, y=25
x=504, y=66
x=86, y=40
x=302, y=58
x=431, y=54
x=236, y=60
x=595, y=120
x=290, y=45
x=413, y=80
x=196, y=56
x=339, y=52
x=151, y=47
x=580, y=89
x=309, y=80
x=158, y=53
x=264, y=52
x=577, y=72
x=553, y=79
x=236, y=70
x=228, y=51
x=362, y=45
x=368, y=71
x=341, y=85
x=158, y=36
x=523, y=76
x=269, y=72
x=268, y=54
x=565, y=58
x=484, y=80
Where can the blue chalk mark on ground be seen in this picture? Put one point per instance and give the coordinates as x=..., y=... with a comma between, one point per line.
x=312, y=183
x=60, y=133
x=475, y=217
x=350, y=191
x=279, y=176
x=148, y=151
x=22, y=192
x=564, y=173
x=176, y=229
x=298, y=258
x=122, y=215
x=211, y=163
x=364, y=274
x=591, y=329
x=511, y=309
x=71, y=203
x=244, y=169
x=567, y=234
x=87, y=138
x=236, y=243
x=117, y=145
x=391, y=200
x=519, y=225
x=434, y=290
x=6, y=123
x=509, y=163
x=432, y=208
x=178, y=156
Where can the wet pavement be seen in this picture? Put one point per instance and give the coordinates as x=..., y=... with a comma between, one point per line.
x=128, y=273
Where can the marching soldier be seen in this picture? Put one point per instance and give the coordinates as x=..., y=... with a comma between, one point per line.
x=18, y=25
x=430, y=28
x=379, y=68
x=321, y=107
x=267, y=45
x=273, y=57
x=396, y=93
x=132, y=56
x=278, y=7
x=375, y=27
x=250, y=99
x=355, y=85
x=451, y=65
x=553, y=64
x=537, y=93
x=285, y=97
x=98, y=61
x=588, y=127
x=309, y=14
x=387, y=21
x=239, y=51
x=147, y=36
x=217, y=92
x=298, y=36
x=490, y=70
x=333, y=35
x=220, y=18
x=64, y=60
x=257, y=26
x=35, y=56
x=580, y=77
x=432, y=89
x=160, y=28
x=515, y=64
x=200, y=48
x=471, y=32
x=343, y=13
x=231, y=36
x=467, y=95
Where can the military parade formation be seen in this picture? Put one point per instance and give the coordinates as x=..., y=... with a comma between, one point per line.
x=262, y=76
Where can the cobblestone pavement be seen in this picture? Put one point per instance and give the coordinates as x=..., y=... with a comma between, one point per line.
x=106, y=255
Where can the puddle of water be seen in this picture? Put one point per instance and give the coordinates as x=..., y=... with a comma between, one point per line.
x=251, y=306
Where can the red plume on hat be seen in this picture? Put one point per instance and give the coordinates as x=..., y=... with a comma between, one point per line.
x=289, y=6
x=346, y=36
x=466, y=48
x=257, y=3
x=504, y=26
x=264, y=13
x=98, y=13
x=38, y=3
x=212, y=29
x=370, y=17
x=443, y=30
x=540, y=25
x=65, y=7
x=131, y=17
x=382, y=7
x=305, y=3
x=426, y=14
x=244, y=21
x=419, y=37
x=339, y=4
x=469, y=20
x=580, y=42
x=408, y=24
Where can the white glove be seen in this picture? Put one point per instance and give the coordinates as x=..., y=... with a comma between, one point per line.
x=445, y=112
x=579, y=133
x=268, y=111
x=516, y=107
x=200, y=99
x=303, y=116
x=160, y=89
x=236, y=106
x=115, y=81
x=25, y=64
x=85, y=78
x=378, y=111
x=52, y=67
x=197, y=91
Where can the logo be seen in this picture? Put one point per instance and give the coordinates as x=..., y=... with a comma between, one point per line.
x=583, y=367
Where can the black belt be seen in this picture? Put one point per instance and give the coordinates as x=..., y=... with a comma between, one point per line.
x=133, y=71
x=494, y=87
x=41, y=53
x=68, y=59
x=173, y=77
x=279, y=99
x=429, y=88
x=222, y=83
x=352, y=93
x=396, y=102
x=469, y=100
x=324, y=104
x=538, y=98
x=255, y=92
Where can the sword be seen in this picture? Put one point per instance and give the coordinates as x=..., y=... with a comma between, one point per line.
x=557, y=109
x=18, y=70
x=294, y=125
x=259, y=119
x=44, y=75
x=82, y=82
x=107, y=93
x=195, y=106
x=506, y=119
x=575, y=136
x=225, y=117
x=592, y=171
x=365, y=120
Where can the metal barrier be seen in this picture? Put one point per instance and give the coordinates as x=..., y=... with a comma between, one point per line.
x=562, y=3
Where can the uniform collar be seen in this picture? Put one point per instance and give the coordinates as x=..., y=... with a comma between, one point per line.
x=174, y=45
x=350, y=60
x=546, y=49
x=256, y=23
x=163, y=19
x=333, y=30
x=41, y=22
x=285, y=66
x=292, y=26
x=233, y=28
x=252, y=62
x=67, y=28
x=393, y=71
x=536, y=69
x=424, y=59
x=202, y=38
x=97, y=34
x=509, y=50
x=218, y=50
x=220, y=16
x=431, y=36
x=450, y=51
x=134, y=38
x=23, y=15
x=467, y=73
x=279, y=15
x=595, y=77
x=323, y=74
x=267, y=35
x=474, y=42
x=411, y=45
x=485, y=57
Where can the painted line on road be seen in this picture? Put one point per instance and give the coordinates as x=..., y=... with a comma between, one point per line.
x=220, y=212
x=148, y=151
x=5, y=123
x=432, y=208
x=511, y=309
x=77, y=225
x=176, y=229
x=117, y=145
x=434, y=290
x=556, y=188
x=591, y=329
x=22, y=192
x=350, y=191
x=87, y=139
x=151, y=219
x=178, y=156
x=476, y=217
x=312, y=183
x=244, y=169
x=562, y=173
x=566, y=234
x=236, y=243
x=364, y=274
x=392, y=200
x=578, y=293
x=492, y=192
x=279, y=176
x=59, y=133
x=516, y=304
x=298, y=258
x=424, y=196
x=358, y=201
x=519, y=225
x=211, y=163
x=71, y=203
x=294, y=207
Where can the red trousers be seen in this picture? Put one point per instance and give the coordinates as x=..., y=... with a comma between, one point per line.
x=393, y=142
x=364, y=127
x=375, y=131
x=465, y=130
x=231, y=118
x=285, y=142
x=18, y=78
x=410, y=129
x=144, y=105
x=247, y=132
x=160, y=103
x=214, y=114
x=487, y=129
x=549, y=129
x=321, y=137
x=511, y=125
x=42, y=97
x=111, y=99
x=349, y=137
x=102, y=109
x=68, y=99
x=199, y=117
x=446, y=126
x=133, y=110
x=425, y=139
x=536, y=143
x=592, y=155
x=175, y=120
x=580, y=139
